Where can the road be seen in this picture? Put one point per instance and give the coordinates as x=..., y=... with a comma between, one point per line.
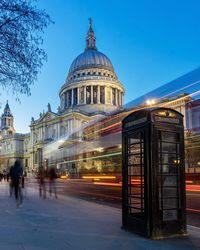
x=111, y=195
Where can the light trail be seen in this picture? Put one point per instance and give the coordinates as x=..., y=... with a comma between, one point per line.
x=193, y=188
x=187, y=86
x=193, y=210
x=94, y=157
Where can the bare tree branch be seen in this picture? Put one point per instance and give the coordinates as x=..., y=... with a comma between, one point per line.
x=21, y=52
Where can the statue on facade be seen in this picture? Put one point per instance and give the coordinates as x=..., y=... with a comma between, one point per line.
x=49, y=107
x=40, y=114
x=59, y=109
x=32, y=120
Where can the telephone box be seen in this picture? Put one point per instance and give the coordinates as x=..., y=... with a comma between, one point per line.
x=153, y=174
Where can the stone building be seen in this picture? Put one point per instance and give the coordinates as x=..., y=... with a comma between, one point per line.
x=12, y=145
x=91, y=91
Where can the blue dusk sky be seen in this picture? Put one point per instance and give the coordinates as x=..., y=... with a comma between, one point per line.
x=149, y=43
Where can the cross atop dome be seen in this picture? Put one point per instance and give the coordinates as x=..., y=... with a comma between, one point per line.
x=90, y=20
x=90, y=39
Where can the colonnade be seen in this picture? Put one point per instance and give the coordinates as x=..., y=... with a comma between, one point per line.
x=92, y=94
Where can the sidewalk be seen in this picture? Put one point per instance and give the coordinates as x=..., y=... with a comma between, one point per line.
x=73, y=224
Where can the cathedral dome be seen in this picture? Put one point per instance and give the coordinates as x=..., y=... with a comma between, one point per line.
x=91, y=58
x=91, y=86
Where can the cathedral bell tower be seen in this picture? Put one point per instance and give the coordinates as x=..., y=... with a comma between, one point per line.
x=7, y=127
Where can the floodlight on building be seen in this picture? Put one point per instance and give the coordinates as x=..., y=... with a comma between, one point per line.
x=150, y=102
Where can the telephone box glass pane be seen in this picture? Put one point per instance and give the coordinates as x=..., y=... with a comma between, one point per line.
x=169, y=162
x=135, y=199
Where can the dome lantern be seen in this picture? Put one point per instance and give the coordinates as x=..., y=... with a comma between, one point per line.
x=90, y=39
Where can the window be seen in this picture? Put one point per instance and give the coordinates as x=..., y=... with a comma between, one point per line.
x=75, y=96
x=54, y=133
x=102, y=94
x=113, y=97
x=95, y=90
x=62, y=130
x=108, y=95
x=69, y=99
x=82, y=95
x=169, y=164
x=135, y=197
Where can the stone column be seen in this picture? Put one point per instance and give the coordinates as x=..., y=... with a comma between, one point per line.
x=111, y=101
x=116, y=97
x=67, y=99
x=72, y=92
x=98, y=94
x=84, y=101
x=122, y=99
x=58, y=129
x=92, y=95
x=78, y=93
x=119, y=100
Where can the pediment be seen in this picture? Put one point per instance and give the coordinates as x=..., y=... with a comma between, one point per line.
x=48, y=116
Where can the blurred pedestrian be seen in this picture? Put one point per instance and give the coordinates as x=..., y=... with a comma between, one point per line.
x=7, y=177
x=4, y=174
x=16, y=177
x=11, y=186
x=42, y=182
x=52, y=182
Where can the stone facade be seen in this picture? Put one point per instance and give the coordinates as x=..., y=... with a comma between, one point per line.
x=12, y=145
x=91, y=91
